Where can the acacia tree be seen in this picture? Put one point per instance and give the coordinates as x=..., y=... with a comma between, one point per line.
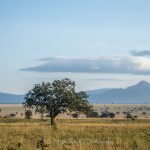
x=57, y=97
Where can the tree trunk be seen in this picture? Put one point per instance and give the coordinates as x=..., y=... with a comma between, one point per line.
x=52, y=121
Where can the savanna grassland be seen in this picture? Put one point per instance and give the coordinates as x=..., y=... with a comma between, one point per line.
x=140, y=110
x=75, y=134
x=17, y=133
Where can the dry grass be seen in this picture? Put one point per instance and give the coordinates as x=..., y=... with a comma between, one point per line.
x=76, y=134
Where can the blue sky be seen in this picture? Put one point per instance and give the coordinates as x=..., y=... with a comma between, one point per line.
x=87, y=29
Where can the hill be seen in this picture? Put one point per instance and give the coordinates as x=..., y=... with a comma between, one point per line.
x=139, y=93
x=6, y=98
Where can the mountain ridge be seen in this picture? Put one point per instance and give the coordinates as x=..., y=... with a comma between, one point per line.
x=6, y=98
x=138, y=93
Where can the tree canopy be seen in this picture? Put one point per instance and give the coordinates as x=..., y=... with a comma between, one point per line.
x=57, y=97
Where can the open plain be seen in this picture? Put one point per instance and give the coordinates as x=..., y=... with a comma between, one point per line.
x=17, y=133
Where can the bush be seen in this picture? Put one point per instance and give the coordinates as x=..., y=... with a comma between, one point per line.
x=107, y=114
x=75, y=115
x=28, y=114
x=93, y=114
x=129, y=116
x=112, y=115
x=135, y=116
x=41, y=143
x=12, y=115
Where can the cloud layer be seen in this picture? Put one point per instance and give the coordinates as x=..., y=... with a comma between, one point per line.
x=111, y=64
x=140, y=52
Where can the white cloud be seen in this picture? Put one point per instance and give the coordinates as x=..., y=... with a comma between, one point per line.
x=142, y=53
x=103, y=64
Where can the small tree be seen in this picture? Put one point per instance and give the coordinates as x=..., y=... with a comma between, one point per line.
x=117, y=112
x=75, y=115
x=28, y=114
x=104, y=114
x=129, y=116
x=112, y=115
x=57, y=97
x=21, y=114
x=93, y=114
x=135, y=116
x=107, y=114
x=144, y=113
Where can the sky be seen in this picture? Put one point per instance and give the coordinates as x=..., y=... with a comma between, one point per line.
x=97, y=43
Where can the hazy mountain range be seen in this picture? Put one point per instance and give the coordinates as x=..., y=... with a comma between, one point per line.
x=139, y=93
x=6, y=98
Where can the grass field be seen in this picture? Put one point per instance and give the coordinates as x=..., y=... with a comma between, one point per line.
x=17, y=133
x=75, y=134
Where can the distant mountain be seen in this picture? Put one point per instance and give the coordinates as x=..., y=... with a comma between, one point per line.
x=6, y=98
x=139, y=93
x=95, y=94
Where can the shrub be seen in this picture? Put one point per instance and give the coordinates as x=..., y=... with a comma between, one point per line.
x=75, y=115
x=129, y=116
x=112, y=115
x=144, y=113
x=107, y=114
x=41, y=143
x=12, y=115
x=135, y=116
x=28, y=114
x=93, y=114
x=117, y=112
